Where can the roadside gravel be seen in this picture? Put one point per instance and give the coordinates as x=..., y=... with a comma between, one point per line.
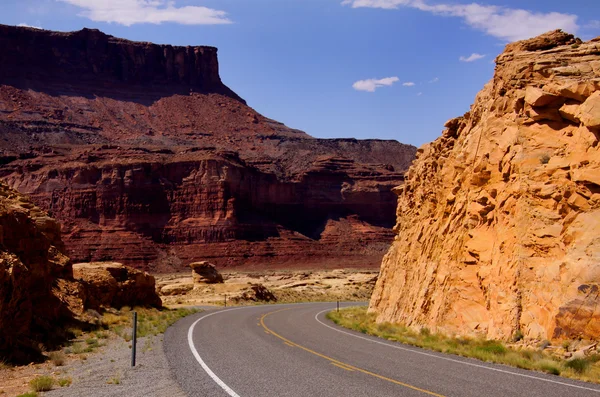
x=108, y=372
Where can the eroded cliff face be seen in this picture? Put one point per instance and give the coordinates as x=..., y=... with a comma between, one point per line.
x=147, y=159
x=498, y=223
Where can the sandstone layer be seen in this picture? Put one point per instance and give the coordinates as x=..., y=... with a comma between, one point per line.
x=147, y=159
x=498, y=222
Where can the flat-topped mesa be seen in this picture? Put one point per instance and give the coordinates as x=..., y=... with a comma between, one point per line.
x=498, y=220
x=106, y=135
x=88, y=57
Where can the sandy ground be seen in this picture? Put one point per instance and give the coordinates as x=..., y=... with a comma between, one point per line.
x=287, y=286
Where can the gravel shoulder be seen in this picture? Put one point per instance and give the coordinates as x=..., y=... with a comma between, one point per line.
x=109, y=373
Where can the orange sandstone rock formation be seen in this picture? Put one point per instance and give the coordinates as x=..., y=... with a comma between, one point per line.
x=498, y=223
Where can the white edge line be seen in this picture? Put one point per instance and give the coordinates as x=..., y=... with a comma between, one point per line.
x=449, y=359
x=205, y=367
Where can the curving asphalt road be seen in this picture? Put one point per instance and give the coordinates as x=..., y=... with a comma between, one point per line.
x=292, y=350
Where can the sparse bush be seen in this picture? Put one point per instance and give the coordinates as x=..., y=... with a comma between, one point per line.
x=65, y=382
x=493, y=347
x=115, y=380
x=57, y=358
x=544, y=344
x=544, y=158
x=42, y=383
x=579, y=365
x=28, y=394
x=517, y=336
x=425, y=331
x=4, y=365
x=549, y=368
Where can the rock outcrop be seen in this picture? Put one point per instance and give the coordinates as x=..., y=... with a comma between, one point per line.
x=42, y=293
x=205, y=273
x=110, y=284
x=498, y=222
x=37, y=290
x=147, y=159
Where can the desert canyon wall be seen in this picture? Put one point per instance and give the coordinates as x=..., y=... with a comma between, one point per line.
x=148, y=159
x=498, y=222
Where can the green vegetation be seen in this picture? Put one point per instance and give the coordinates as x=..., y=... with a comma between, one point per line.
x=150, y=321
x=28, y=394
x=42, y=383
x=57, y=358
x=65, y=382
x=358, y=319
x=115, y=380
x=544, y=158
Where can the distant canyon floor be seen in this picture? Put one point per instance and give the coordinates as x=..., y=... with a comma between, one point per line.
x=285, y=286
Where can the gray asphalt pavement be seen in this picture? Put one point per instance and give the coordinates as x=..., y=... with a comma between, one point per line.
x=292, y=350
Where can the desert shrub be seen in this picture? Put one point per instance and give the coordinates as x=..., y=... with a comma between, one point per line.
x=42, y=383
x=57, y=358
x=579, y=365
x=65, y=382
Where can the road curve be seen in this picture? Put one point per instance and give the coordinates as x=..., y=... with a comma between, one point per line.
x=292, y=350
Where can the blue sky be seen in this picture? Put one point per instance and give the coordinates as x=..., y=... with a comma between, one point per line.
x=390, y=69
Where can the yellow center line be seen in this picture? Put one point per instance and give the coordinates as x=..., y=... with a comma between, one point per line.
x=337, y=362
x=342, y=367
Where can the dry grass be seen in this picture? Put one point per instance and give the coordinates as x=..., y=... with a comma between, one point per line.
x=150, y=321
x=42, y=383
x=358, y=319
x=58, y=358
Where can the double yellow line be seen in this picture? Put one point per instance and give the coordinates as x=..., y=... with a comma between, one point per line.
x=335, y=362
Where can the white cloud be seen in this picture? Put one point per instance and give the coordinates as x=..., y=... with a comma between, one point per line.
x=129, y=12
x=502, y=22
x=371, y=85
x=472, y=58
x=24, y=25
x=434, y=80
x=408, y=84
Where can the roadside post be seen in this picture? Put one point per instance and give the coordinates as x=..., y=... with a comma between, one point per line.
x=134, y=339
x=225, y=300
x=338, y=306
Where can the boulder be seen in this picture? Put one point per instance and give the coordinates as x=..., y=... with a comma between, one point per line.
x=176, y=289
x=111, y=284
x=538, y=97
x=257, y=293
x=589, y=111
x=205, y=273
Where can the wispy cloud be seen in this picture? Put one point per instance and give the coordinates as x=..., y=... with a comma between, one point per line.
x=408, y=84
x=471, y=58
x=419, y=94
x=24, y=25
x=371, y=85
x=130, y=12
x=595, y=24
x=502, y=22
x=434, y=80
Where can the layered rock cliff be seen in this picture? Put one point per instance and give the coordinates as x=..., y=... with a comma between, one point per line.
x=498, y=222
x=146, y=158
